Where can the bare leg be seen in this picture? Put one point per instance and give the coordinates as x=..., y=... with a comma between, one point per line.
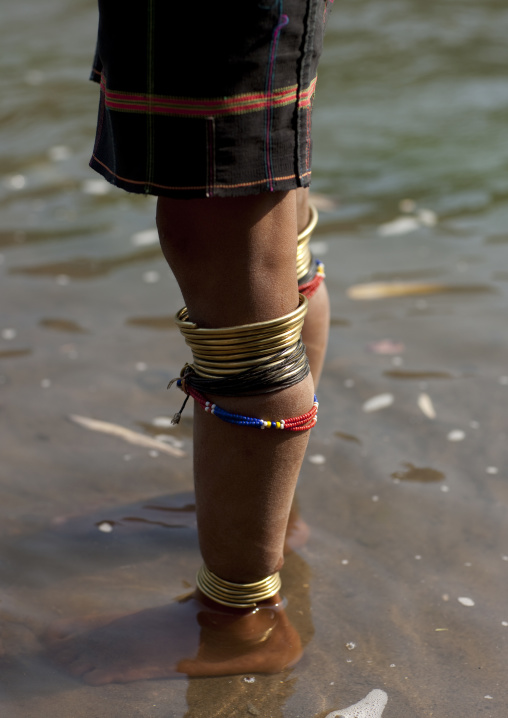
x=235, y=263
x=317, y=321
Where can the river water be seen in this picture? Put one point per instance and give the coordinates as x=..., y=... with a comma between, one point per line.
x=402, y=586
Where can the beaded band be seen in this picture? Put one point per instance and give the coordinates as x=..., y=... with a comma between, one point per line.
x=310, y=287
x=304, y=422
x=236, y=595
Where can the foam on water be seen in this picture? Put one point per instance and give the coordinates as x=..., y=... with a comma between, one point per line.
x=372, y=706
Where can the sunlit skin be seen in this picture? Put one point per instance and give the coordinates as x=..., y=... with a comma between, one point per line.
x=241, y=252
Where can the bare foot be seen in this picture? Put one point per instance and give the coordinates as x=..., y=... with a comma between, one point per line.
x=193, y=636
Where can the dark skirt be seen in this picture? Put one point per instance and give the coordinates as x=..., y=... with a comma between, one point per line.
x=207, y=99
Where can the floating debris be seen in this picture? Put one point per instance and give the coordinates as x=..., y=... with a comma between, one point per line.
x=375, y=498
x=349, y=383
x=426, y=406
x=372, y=706
x=383, y=290
x=344, y=561
x=145, y=237
x=407, y=206
x=492, y=470
x=416, y=473
x=465, y=601
x=46, y=383
x=397, y=361
x=58, y=153
x=474, y=424
x=141, y=366
x=151, y=277
x=386, y=346
x=169, y=440
x=97, y=187
x=503, y=380
x=375, y=403
x=445, y=489
x=348, y=437
x=319, y=249
x=132, y=437
x=317, y=459
x=163, y=422
x=427, y=217
x=401, y=225
x=456, y=435
x=351, y=646
x=63, y=280
x=105, y=527
x=249, y=679
x=418, y=557
x=153, y=453
x=504, y=623
x=62, y=325
x=9, y=334
x=16, y=182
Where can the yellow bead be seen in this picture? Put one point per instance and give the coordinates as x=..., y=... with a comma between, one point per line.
x=278, y=425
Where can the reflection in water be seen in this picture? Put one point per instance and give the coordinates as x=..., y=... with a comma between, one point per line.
x=87, y=268
x=422, y=375
x=63, y=325
x=395, y=275
x=415, y=473
x=348, y=437
x=13, y=353
x=14, y=238
x=162, y=323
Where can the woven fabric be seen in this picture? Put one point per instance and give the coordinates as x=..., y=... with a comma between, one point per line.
x=210, y=100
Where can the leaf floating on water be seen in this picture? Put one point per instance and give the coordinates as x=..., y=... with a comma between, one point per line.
x=465, y=601
x=401, y=225
x=317, y=459
x=383, y=290
x=426, y=406
x=132, y=437
x=370, y=707
x=375, y=403
x=456, y=435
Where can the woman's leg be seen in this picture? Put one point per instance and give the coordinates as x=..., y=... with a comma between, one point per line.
x=235, y=262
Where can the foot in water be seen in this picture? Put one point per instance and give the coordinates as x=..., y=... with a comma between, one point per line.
x=193, y=637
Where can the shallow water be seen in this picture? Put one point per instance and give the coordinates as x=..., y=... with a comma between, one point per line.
x=404, y=486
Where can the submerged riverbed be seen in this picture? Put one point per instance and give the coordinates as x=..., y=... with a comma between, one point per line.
x=402, y=585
